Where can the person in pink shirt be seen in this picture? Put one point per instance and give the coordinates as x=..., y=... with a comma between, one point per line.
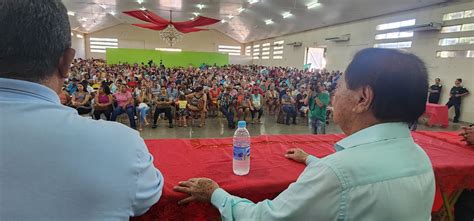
x=124, y=105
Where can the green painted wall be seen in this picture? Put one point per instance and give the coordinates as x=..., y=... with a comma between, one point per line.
x=170, y=59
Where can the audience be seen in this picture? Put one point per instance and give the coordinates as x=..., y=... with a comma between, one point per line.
x=103, y=102
x=377, y=167
x=81, y=100
x=163, y=105
x=55, y=164
x=125, y=104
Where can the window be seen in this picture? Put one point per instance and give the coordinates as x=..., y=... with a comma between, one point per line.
x=248, y=50
x=256, y=57
x=458, y=28
x=278, y=47
x=266, y=45
x=458, y=15
x=394, y=35
x=455, y=54
x=456, y=41
x=394, y=25
x=265, y=53
x=265, y=57
x=402, y=44
x=99, y=45
x=231, y=50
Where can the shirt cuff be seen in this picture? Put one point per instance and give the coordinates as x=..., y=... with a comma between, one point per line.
x=219, y=198
x=311, y=159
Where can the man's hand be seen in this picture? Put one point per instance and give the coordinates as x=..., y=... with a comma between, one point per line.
x=297, y=155
x=468, y=135
x=199, y=189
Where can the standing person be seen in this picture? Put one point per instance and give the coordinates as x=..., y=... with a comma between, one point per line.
x=103, y=102
x=55, y=164
x=182, y=112
x=227, y=103
x=125, y=104
x=435, y=92
x=456, y=93
x=318, y=102
x=163, y=105
x=377, y=172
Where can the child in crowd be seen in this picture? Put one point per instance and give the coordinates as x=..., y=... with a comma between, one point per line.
x=182, y=111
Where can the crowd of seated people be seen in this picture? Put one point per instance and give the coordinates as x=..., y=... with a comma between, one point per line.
x=237, y=92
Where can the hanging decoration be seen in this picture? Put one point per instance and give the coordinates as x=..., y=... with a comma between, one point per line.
x=171, y=32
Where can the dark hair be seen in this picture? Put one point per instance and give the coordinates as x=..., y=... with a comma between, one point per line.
x=459, y=79
x=398, y=79
x=106, y=88
x=35, y=36
x=438, y=79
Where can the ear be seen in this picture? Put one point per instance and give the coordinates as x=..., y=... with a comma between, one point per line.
x=65, y=62
x=365, y=97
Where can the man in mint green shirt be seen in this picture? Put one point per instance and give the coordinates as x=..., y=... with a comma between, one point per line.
x=318, y=102
x=377, y=173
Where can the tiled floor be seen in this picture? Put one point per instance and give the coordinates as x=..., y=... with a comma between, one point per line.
x=217, y=127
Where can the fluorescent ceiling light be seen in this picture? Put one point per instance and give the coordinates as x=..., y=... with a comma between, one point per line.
x=79, y=36
x=200, y=6
x=71, y=13
x=313, y=5
x=223, y=21
x=268, y=22
x=287, y=14
x=102, y=47
x=103, y=6
x=72, y=34
x=241, y=9
x=230, y=16
x=140, y=1
x=112, y=13
x=195, y=13
x=253, y=1
x=143, y=8
x=169, y=49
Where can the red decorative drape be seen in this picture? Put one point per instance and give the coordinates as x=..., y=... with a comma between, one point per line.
x=158, y=23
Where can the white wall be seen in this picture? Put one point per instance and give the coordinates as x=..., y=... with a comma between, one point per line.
x=425, y=45
x=134, y=37
x=79, y=45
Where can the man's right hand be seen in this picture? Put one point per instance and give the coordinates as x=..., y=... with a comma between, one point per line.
x=297, y=155
x=468, y=135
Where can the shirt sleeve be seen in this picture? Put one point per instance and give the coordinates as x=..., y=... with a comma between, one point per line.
x=316, y=193
x=149, y=183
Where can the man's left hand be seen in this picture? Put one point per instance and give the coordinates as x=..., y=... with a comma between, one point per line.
x=199, y=189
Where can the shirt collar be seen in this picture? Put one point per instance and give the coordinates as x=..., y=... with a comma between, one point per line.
x=26, y=89
x=378, y=132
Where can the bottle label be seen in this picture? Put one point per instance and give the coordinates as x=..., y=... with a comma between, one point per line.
x=241, y=153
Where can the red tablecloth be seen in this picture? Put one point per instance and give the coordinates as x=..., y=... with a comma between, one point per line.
x=437, y=114
x=271, y=173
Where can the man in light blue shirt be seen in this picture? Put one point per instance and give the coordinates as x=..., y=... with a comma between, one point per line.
x=378, y=173
x=55, y=164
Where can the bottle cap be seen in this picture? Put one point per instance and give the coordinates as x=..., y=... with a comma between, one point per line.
x=242, y=124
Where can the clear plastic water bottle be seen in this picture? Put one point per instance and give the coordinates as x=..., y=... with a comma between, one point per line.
x=241, y=161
